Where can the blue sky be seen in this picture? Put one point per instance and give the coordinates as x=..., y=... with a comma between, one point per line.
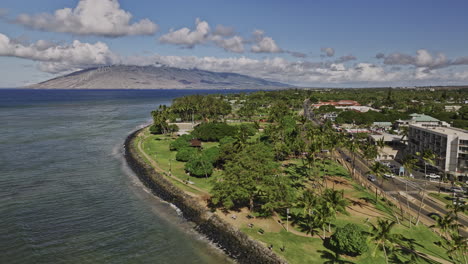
x=420, y=42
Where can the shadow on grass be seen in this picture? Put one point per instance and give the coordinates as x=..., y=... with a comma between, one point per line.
x=332, y=258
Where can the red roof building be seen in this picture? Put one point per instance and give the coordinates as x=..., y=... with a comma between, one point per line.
x=339, y=103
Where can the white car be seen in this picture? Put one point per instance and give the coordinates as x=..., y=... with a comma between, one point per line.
x=389, y=175
x=433, y=176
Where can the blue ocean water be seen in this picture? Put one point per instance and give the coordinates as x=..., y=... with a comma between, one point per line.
x=66, y=194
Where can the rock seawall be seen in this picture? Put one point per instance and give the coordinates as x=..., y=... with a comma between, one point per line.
x=235, y=243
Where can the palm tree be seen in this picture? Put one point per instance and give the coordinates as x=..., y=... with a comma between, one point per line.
x=378, y=169
x=335, y=202
x=409, y=163
x=370, y=152
x=353, y=147
x=307, y=201
x=444, y=223
x=456, y=207
x=311, y=224
x=381, y=235
x=456, y=246
x=428, y=157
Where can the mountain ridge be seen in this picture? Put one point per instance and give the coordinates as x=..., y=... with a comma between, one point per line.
x=154, y=77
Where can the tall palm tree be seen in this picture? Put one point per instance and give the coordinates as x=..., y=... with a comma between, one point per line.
x=428, y=157
x=382, y=236
x=378, y=169
x=409, y=163
x=353, y=147
x=370, y=152
x=335, y=203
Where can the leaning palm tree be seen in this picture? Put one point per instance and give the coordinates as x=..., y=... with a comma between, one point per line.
x=445, y=223
x=456, y=247
x=382, y=236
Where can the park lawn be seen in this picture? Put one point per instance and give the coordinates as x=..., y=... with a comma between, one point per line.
x=157, y=146
x=420, y=234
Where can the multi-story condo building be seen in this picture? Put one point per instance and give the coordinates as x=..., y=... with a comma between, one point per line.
x=449, y=144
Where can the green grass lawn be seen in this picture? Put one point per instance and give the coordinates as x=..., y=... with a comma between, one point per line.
x=445, y=198
x=157, y=146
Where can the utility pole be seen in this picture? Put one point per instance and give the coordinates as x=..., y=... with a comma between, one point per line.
x=287, y=219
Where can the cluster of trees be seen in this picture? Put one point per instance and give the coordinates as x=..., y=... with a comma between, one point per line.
x=205, y=107
x=367, y=118
x=216, y=131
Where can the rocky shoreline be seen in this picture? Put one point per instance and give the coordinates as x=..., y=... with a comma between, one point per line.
x=235, y=243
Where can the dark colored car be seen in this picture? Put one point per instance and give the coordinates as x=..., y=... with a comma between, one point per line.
x=371, y=178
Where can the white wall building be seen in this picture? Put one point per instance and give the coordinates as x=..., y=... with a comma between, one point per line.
x=449, y=144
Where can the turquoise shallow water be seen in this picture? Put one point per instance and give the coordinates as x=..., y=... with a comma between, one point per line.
x=66, y=194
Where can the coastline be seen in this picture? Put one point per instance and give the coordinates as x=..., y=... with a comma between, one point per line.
x=233, y=242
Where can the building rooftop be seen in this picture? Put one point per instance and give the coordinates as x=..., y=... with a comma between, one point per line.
x=445, y=130
x=386, y=137
x=423, y=118
x=382, y=123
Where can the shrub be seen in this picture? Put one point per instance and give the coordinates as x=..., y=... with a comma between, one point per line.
x=211, y=154
x=214, y=131
x=155, y=129
x=349, y=240
x=187, y=153
x=181, y=142
x=199, y=167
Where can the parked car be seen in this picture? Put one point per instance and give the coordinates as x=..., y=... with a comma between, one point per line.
x=459, y=201
x=348, y=159
x=456, y=189
x=386, y=163
x=433, y=176
x=389, y=175
x=371, y=178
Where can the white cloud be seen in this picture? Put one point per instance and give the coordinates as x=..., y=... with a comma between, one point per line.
x=90, y=17
x=55, y=58
x=233, y=44
x=264, y=44
x=423, y=59
x=329, y=52
x=58, y=58
x=224, y=31
x=186, y=37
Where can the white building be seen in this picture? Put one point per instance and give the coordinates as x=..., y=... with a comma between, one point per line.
x=450, y=145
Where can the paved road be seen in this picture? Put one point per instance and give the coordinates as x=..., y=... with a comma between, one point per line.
x=397, y=187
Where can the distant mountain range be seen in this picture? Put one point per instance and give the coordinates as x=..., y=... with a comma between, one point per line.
x=155, y=77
